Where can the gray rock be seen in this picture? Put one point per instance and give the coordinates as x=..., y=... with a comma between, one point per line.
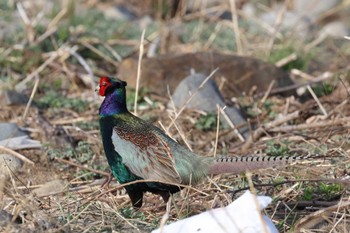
x=43, y=220
x=10, y=97
x=5, y=217
x=19, y=143
x=206, y=99
x=10, y=130
x=8, y=165
x=11, y=136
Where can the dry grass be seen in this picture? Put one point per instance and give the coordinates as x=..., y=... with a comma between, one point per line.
x=313, y=195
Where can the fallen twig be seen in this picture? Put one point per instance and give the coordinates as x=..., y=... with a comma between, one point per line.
x=16, y=154
x=288, y=128
x=268, y=126
x=81, y=166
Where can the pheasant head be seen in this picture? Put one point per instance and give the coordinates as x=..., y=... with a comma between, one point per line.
x=115, y=96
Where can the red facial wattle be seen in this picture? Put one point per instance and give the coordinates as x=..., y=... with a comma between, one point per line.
x=104, y=84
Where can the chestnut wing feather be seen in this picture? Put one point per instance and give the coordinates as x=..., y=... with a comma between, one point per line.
x=146, y=154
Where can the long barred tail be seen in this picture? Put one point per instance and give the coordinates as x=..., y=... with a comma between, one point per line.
x=237, y=165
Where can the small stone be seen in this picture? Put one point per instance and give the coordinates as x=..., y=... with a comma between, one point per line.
x=11, y=97
x=205, y=99
x=43, y=220
x=9, y=164
x=50, y=188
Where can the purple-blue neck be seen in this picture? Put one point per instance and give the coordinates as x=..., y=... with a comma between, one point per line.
x=113, y=103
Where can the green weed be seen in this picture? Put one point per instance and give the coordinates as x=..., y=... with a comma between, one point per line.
x=90, y=125
x=301, y=63
x=277, y=148
x=206, y=122
x=323, y=89
x=52, y=99
x=131, y=213
x=322, y=191
x=130, y=98
x=198, y=31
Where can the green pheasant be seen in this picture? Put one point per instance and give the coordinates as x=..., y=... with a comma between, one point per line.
x=137, y=150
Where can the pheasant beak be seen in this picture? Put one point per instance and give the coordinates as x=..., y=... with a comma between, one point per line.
x=97, y=89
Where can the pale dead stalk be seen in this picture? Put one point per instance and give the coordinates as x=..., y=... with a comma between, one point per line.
x=289, y=128
x=235, y=27
x=256, y=203
x=310, y=78
x=139, y=70
x=182, y=135
x=323, y=110
x=217, y=129
x=75, y=217
x=84, y=64
x=16, y=154
x=27, y=22
x=277, y=25
x=165, y=215
x=302, y=74
x=142, y=181
x=99, y=53
x=286, y=60
x=46, y=34
x=20, y=86
x=230, y=123
x=267, y=93
x=31, y=97
x=320, y=78
x=315, y=218
x=57, y=18
x=212, y=37
x=113, y=52
x=71, y=121
x=82, y=167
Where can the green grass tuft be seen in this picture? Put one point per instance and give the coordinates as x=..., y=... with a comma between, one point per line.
x=52, y=99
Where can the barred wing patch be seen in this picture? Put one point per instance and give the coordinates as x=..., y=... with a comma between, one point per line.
x=146, y=154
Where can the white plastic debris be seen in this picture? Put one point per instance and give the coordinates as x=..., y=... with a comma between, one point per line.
x=241, y=216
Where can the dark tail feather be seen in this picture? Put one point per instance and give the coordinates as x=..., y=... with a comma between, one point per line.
x=237, y=165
